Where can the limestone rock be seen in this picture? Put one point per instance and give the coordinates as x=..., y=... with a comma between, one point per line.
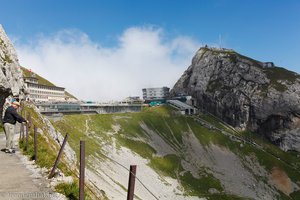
x=11, y=81
x=245, y=93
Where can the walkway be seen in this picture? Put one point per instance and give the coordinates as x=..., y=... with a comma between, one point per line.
x=17, y=182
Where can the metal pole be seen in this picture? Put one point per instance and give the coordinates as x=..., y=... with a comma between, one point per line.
x=58, y=157
x=35, y=143
x=82, y=168
x=131, y=183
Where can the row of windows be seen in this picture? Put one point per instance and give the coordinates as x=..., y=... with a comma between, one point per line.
x=42, y=92
x=44, y=87
x=34, y=96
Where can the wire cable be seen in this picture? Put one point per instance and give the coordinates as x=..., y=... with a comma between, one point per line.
x=132, y=174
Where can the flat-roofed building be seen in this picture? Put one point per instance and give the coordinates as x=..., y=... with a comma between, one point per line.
x=41, y=93
x=150, y=94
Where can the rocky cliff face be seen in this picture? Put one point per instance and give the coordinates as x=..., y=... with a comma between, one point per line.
x=245, y=93
x=11, y=82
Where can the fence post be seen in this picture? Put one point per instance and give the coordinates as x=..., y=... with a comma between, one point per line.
x=29, y=120
x=82, y=170
x=35, y=143
x=131, y=182
x=21, y=130
x=58, y=157
x=23, y=134
x=27, y=135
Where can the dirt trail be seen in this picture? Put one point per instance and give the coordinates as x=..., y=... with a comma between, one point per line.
x=17, y=182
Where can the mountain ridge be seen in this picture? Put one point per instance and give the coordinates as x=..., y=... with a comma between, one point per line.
x=245, y=93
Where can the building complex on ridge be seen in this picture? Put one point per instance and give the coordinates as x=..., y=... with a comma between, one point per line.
x=153, y=94
x=42, y=93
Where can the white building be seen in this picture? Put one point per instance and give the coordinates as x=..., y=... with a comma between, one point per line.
x=155, y=93
x=43, y=93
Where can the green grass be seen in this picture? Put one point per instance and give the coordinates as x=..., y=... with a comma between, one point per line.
x=47, y=148
x=278, y=73
x=71, y=191
x=289, y=157
x=164, y=122
x=168, y=165
x=75, y=127
x=47, y=153
x=141, y=148
x=41, y=80
x=199, y=186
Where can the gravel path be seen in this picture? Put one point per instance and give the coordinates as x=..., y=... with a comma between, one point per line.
x=17, y=182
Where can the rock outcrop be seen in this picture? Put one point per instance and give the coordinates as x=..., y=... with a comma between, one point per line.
x=11, y=81
x=245, y=93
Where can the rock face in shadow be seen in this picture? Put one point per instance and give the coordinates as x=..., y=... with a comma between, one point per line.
x=11, y=79
x=245, y=93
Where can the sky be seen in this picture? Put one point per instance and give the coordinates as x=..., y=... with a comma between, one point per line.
x=108, y=50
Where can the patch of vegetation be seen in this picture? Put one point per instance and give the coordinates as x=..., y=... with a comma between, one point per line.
x=279, y=73
x=234, y=56
x=47, y=148
x=6, y=59
x=47, y=153
x=276, y=74
x=214, y=121
x=295, y=195
x=199, y=186
x=75, y=126
x=288, y=161
x=168, y=165
x=71, y=191
x=41, y=80
x=217, y=84
x=208, y=136
x=1, y=42
x=223, y=196
x=141, y=148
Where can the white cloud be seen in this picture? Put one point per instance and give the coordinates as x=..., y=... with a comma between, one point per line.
x=142, y=58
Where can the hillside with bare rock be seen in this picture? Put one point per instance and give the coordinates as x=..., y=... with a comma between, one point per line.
x=11, y=81
x=245, y=93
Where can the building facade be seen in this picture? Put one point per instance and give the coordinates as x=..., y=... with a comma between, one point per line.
x=155, y=93
x=42, y=93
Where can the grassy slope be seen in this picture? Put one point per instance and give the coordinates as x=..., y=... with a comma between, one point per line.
x=41, y=80
x=47, y=153
x=170, y=127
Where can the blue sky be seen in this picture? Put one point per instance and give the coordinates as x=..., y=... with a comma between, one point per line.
x=264, y=30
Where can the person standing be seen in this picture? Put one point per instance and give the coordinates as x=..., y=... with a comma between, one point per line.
x=9, y=121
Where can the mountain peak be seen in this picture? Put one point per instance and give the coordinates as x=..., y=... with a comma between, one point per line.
x=246, y=93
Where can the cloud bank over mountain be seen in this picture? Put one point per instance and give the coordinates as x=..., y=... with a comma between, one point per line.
x=142, y=57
